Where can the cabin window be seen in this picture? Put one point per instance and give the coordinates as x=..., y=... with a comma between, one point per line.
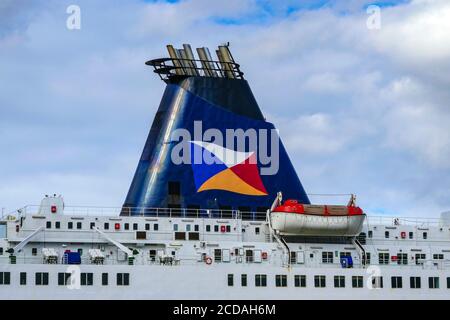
x=106, y=226
x=414, y=282
x=396, y=282
x=319, y=281
x=194, y=236
x=147, y=226
x=344, y=254
x=230, y=280
x=41, y=278
x=188, y=227
x=180, y=235
x=300, y=281
x=49, y=225
x=208, y=228
x=1, y=251
x=87, y=279
x=377, y=282
x=425, y=235
x=280, y=280
x=420, y=257
x=339, y=281
x=244, y=280
x=196, y=228
x=123, y=279
x=92, y=225
x=57, y=225
x=411, y=235
x=63, y=278
x=141, y=235
x=366, y=258
x=260, y=280
x=448, y=282
x=216, y=228
x=5, y=278
x=228, y=228
x=433, y=282
x=402, y=258
x=104, y=279
x=135, y=226
x=217, y=255
x=370, y=234
x=80, y=251
x=438, y=256
x=126, y=226
x=386, y=234
x=293, y=257
x=34, y=251
x=155, y=227
x=23, y=278
x=152, y=255
x=256, y=230
x=362, y=238
x=383, y=258
x=327, y=257
x=175, y=227
x=70, y=225
x=79, y=225
x=249, y=255
x=357, y=281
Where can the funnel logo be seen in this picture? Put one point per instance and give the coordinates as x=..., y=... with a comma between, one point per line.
x=218, y=168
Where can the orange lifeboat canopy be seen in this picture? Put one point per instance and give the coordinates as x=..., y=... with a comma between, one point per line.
x=292, y=206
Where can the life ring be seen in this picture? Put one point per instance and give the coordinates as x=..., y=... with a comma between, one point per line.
x=208, y=260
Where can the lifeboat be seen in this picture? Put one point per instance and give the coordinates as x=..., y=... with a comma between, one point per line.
x=293, y=218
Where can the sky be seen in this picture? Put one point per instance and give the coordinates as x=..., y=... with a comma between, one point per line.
x=360, y=109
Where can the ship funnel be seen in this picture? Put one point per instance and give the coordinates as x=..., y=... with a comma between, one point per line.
x=203, y=96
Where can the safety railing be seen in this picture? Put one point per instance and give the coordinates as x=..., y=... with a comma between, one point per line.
x=168, y=68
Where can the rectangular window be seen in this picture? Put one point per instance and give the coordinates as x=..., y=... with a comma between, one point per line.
x=366, y=258
x=70, y=225
x=261, y=280
x=228, y=228
x=339, y=281
x=411, y=235
x=5, y=278
x=383, y=258
x=123, y=279
x=34, y=251
x=63, y=278
x=106, y=226
x=425, y=235
x=217, y=255
x=87, y=279
x=104, y=279
x=57, y=225
x=244, y=280
x=370, y=234
x=208, y=228
x=448, y=282
x=49, y=225
x=41, y=278
x=175, y=227
x=396, y=282
x=402, y=258
x=147, y=226
x=414, y=282
x=386, y=234
x=300, y=281
x=438, y=256
x=257, y=230
x=92, y=225
x=23, y=278
x=196, y=228
x=155, y=227
x=319, y=281
x=420, y=257
x=357, y=281
x=433, y=282
x=216, y=228
x=230, y=280
x=79, y=225
x=188, y=227
x=126, y=226
x=135, y=226
x=327, y=257
x=281, y=280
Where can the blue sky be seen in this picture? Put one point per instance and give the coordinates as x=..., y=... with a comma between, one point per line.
x=360, y=110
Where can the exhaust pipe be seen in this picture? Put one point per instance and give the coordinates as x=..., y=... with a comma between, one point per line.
x=192, y=66
x=226, y=60
x=173, y=54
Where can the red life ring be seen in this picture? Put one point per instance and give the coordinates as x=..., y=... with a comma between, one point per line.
x=208, y=260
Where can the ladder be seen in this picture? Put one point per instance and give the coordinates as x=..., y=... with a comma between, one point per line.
x=361, y=251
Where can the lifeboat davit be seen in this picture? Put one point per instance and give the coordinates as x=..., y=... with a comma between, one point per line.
x=293, y=218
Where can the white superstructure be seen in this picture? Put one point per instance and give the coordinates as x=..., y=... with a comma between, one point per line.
x=213, y=254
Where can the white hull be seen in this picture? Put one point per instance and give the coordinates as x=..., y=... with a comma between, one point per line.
x=315, y=225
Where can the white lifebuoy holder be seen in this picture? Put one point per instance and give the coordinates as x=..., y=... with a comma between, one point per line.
x=208, y=260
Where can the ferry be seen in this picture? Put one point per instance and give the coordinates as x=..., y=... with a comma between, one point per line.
x=216, y=211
